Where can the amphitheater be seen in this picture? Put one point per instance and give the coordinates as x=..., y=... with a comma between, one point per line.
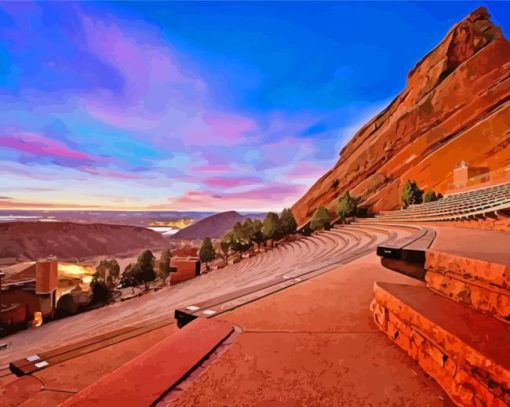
x=407, y=308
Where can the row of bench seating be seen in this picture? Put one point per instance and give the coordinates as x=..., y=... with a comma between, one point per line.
x=464, y=205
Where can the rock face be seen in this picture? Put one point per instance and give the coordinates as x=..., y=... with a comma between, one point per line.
x=456, y=106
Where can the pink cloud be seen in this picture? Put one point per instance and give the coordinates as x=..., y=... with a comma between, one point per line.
x=274, y=197
x=291, y=148
x=156, y=89
x=213, y=168
x=230, y=182
x=42, y=146
x=107, y=173
x=213, y=129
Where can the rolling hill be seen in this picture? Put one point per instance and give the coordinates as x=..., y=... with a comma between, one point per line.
x=213, y=226
x=32, y=240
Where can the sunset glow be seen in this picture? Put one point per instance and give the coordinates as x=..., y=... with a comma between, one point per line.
x=192, y=106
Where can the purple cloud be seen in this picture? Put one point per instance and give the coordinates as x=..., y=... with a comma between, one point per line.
x=43, y=147
x=221, y=182
x=279, y=194
x=215, y=129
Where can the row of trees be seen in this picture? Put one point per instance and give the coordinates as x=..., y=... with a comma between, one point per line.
x=250, y=233
x=244, y=236
x=345, y=207
x=107, y=274
x=412, y=194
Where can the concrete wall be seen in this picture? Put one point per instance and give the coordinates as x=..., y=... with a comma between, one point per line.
x=187, y=268
x=46, y=276
x=18, y=295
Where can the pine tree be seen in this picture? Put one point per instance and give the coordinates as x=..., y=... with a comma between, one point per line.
x=287, y=222
x=207, y=252
x=320, y=219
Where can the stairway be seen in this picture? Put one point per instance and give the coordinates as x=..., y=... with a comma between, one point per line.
x=456, y=327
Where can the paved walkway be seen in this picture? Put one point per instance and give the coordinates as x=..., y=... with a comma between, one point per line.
x=474, y=243
x=315, y=344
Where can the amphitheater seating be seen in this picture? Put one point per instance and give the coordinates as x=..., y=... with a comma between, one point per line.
x=286, y=265
x=479, y=202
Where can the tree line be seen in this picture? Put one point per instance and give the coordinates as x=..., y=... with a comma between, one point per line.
x=146, y=269
x=250, y=234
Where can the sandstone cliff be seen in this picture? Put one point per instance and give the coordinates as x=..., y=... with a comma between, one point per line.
x=456, y=106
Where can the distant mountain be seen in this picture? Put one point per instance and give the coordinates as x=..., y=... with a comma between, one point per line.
x=32, y=240
x=213, y=226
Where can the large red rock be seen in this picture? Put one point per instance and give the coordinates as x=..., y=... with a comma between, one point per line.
x=455, y=107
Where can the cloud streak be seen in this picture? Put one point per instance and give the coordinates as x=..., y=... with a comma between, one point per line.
x=36, y=147
x=128, y=106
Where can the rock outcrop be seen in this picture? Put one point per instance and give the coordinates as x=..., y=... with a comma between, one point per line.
x=456, y=106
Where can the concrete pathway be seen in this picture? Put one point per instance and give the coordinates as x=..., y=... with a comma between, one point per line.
x=315, y=345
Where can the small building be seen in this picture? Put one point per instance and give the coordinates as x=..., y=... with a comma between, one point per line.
x=33, y=288
x=184, y=268
x=464, y=173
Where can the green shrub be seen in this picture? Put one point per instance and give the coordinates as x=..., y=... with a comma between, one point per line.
x=320, y=219
x=347, y=206
x=411, y=194
x=430, y=196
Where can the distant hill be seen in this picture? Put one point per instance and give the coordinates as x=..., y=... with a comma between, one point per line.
x=32, y=240
x=213, y=226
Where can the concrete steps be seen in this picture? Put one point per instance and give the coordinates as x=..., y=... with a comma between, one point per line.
x=464, y=350
x=482, y=285
x=456, y=326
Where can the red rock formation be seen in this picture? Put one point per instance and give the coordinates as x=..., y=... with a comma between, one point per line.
x=456, y=106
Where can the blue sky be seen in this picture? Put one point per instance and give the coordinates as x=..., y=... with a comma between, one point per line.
x=196, y=106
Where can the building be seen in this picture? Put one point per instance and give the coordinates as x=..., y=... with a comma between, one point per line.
x=464, y=173
x=184, y=268
x=32, y=288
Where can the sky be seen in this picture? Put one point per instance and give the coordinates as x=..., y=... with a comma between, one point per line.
x=196, y=106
